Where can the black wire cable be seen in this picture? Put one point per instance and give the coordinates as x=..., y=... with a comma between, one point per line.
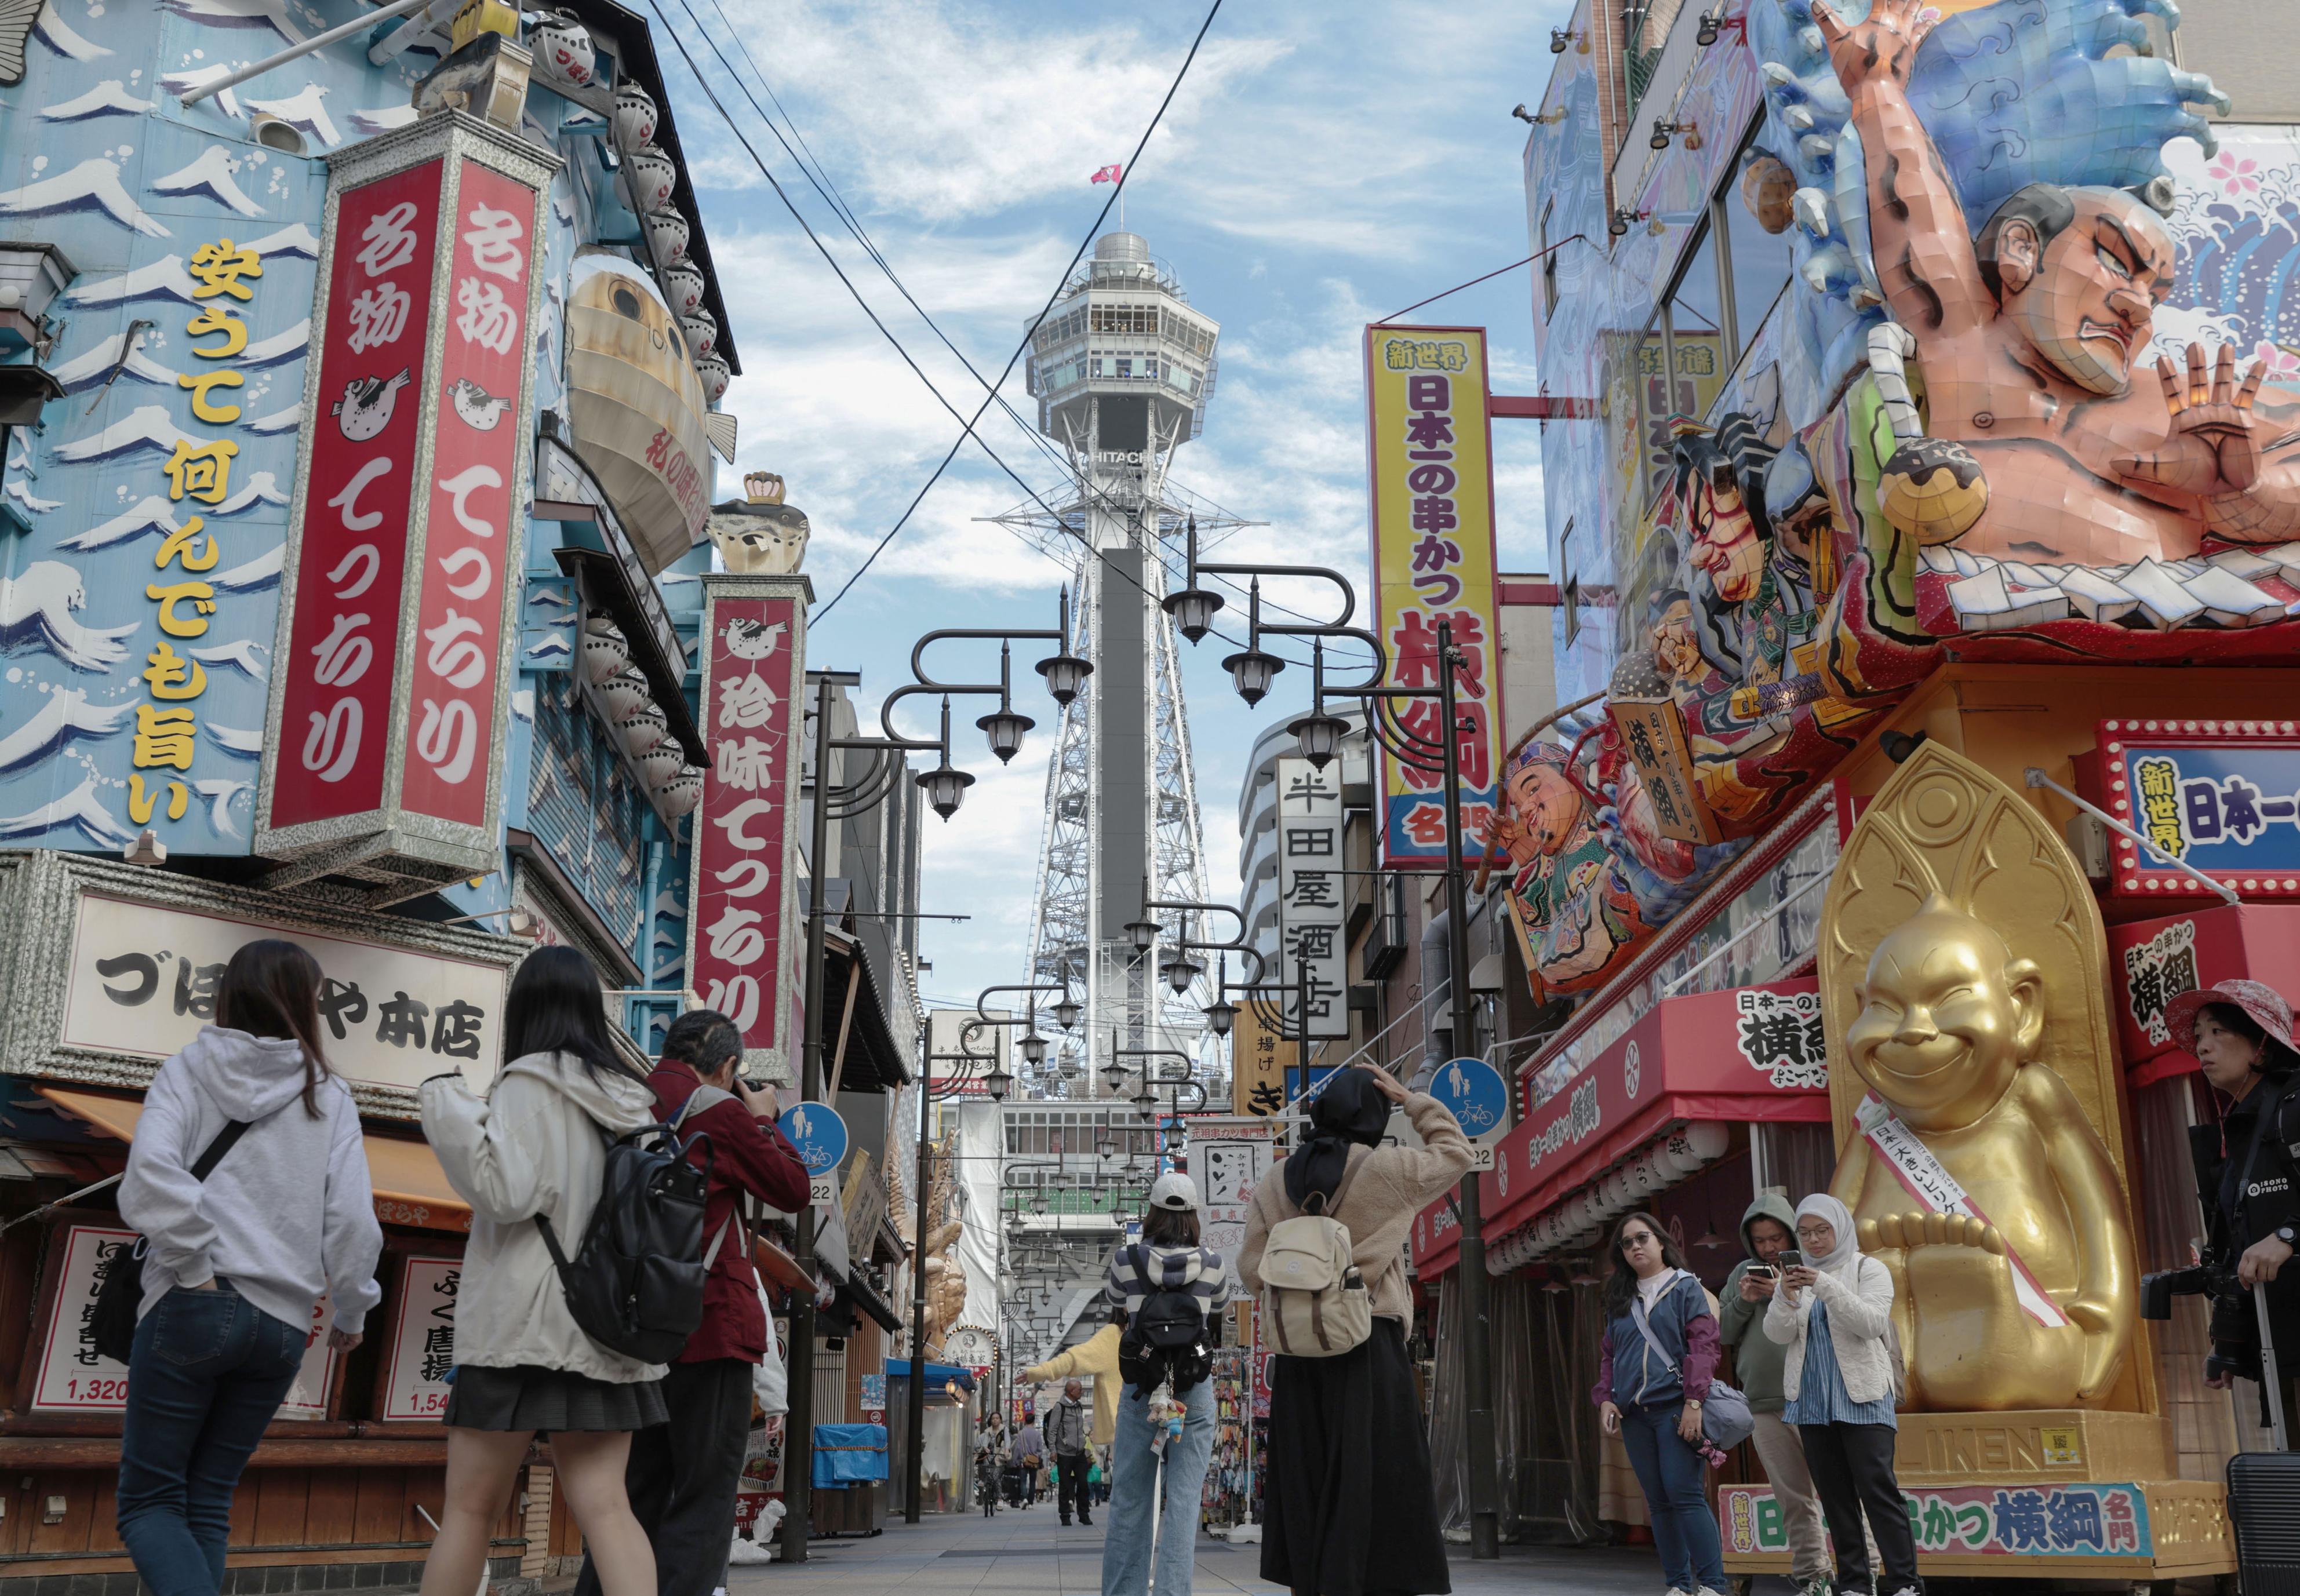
x=967, y=424
x=845, y=212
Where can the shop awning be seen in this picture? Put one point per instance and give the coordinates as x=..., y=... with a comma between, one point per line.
x=860, y=1292
x=938, y=1375
x=2152, y=962
x=853, y=1006
x=1744, y=1055
x=411, y=1189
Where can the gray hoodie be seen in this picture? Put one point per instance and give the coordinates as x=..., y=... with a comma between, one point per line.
x=536, y=1144
x=287, y=1215
x=1758, y=1360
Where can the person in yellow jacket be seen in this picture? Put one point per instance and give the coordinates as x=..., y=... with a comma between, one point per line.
x=1097, y=1355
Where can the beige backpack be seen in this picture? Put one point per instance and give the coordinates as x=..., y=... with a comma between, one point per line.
x=1313, y=1299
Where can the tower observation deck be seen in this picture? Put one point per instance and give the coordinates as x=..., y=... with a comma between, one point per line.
x=1121, y=367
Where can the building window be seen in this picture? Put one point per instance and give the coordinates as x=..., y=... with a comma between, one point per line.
x=1757, y=261
x=1548, y=263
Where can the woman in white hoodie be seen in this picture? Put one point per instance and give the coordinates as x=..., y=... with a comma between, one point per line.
x=536, y=1144
x=237, y=1262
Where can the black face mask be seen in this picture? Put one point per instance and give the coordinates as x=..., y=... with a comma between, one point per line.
x=1350, y=1112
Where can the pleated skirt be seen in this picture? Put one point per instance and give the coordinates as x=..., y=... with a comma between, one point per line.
x=550, y=1401
x=1350, y=1510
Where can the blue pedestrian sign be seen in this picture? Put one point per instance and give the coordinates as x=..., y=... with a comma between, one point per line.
x=818, y=1132
x=1474, y=1090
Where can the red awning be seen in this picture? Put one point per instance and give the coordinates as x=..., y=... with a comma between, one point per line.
x=2151, y=962
x=1748, y=1054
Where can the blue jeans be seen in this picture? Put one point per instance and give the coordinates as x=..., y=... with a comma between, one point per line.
x=1134, y=1480
x=1668, y=1472
x=208, y=1370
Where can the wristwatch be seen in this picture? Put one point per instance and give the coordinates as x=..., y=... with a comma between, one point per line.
x=2286, y=1235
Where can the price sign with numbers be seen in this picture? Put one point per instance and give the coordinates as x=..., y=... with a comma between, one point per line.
x=74, y=1376
x=422, y=1348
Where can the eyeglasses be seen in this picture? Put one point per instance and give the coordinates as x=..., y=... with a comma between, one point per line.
x=1817, y=1233
x=1629, y=1242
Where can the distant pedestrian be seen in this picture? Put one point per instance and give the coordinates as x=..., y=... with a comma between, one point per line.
x=1166, y=1414
x=682, y=1476
x=1350, y=1510
x=1834, y=1312
x=1767, y=1231
x=236, y=1261
x=1094, y=1479
x=1068, y=1431
x=537, y=1144
x=1097, y=1356
x=1659, y=1352
x=1030, y=1447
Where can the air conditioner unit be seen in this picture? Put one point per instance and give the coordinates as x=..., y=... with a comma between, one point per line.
x=1385, y=942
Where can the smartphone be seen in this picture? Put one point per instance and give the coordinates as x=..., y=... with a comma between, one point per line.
x=1790, y=1260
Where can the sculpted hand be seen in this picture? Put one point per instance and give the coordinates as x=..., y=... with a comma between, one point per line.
x=1881, y=49
x=1934, y=1230
x=2212, y=449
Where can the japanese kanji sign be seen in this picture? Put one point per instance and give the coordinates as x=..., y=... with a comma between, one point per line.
x=1227, y=1172
x=74, y=1377
x=2221, y=796
x=2152, y=961
x=1257, y=1071
x=1780, y=1035
x=1312, y=899
x=1429, y=465
x=393, y=663
x=422, y=1346
x=742, y=903
x=143, y=981
x=2031, y=1521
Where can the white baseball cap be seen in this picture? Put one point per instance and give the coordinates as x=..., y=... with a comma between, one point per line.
x=1176, y=1191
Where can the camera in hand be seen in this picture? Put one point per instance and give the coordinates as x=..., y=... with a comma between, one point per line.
x=2232, y=1327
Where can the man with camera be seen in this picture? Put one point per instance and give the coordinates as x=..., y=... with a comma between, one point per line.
x=2249, y=1176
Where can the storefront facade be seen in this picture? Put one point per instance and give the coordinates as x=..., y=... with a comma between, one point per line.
x=355, y=461
x=1804, y=665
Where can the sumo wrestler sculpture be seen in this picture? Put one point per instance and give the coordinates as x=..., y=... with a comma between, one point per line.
x=2030, y=337
x=1960, y=955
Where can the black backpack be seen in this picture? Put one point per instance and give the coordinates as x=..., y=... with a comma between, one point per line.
x=636, y=1285
x=1166, y=1341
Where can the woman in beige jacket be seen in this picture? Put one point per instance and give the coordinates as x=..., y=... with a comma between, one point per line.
x=536, y=1144
x=1351, y=1511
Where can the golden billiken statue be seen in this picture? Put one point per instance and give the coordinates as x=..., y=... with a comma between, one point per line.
x=1964, y=985
x=2026, y=1298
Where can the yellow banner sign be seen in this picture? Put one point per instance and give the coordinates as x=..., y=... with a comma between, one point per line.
x=1429, y=459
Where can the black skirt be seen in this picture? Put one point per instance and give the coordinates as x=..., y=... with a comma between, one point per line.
x=549, y=1401
x=1350, y=1510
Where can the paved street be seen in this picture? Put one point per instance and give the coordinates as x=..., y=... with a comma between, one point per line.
x=1031, y=1554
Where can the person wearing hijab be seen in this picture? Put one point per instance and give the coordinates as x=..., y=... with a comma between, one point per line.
x=1833, y=1313
x=1351, y=1511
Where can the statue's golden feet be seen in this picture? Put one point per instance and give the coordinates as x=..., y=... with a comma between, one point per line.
x=1913, y=1230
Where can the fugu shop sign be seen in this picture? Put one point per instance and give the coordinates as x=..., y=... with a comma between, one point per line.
x=394, y=655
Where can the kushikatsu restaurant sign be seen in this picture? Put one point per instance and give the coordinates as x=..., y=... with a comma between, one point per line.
x=1429, y=472
x=393, y=660
x=2221, y=796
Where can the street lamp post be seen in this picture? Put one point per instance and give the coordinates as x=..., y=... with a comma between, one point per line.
x=1319, y=734
x=945, y=788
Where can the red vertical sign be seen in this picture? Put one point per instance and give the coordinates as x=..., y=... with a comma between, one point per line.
x=459, y=663
x=338, y=667
x=753, y=674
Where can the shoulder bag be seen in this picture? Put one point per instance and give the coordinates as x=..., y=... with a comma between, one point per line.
x=113, y=1323
x=1725, y=1417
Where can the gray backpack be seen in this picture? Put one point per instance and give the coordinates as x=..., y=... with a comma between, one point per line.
x=1725, y=1418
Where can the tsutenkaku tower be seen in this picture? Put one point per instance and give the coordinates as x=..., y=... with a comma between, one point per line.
x=1122, y=368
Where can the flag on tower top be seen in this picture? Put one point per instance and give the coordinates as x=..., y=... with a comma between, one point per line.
x=1108, y=174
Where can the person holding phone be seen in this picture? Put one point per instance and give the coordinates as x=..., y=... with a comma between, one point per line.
x=1833, y=1313
x=1767, y=1231
x=1654, y=1371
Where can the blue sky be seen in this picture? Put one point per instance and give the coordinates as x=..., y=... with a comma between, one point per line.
x=1323, y=165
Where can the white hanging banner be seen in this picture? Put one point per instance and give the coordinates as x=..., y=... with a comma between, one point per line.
x=1312, y=899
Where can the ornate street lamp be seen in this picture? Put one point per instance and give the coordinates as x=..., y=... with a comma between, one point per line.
x=1221, y=1014
x=1193, y=608
x=1065, y=1012
x=1064, y=671
x=1250, y=672
x=1034, y=1049
x=1320, y=736
x=1180, y=970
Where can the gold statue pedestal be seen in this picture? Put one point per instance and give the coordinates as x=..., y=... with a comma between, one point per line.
x=2052, y=1493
